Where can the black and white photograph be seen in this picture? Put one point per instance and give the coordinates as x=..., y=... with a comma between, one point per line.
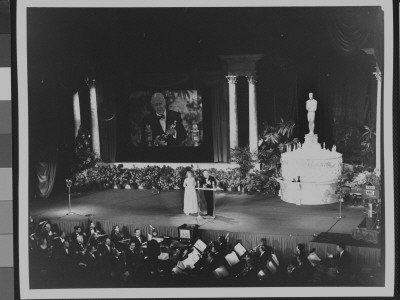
x=211, y=149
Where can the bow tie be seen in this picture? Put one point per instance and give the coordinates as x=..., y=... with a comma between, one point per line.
x=160, y=117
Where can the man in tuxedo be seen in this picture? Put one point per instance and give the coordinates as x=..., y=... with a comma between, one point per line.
x=163, y=122
x=133, y=259
x=342, y=264
x=138, y=238
x=65, y=258
x=77, y=232
x=58, y=242
x=207, y=181
x=153, y=251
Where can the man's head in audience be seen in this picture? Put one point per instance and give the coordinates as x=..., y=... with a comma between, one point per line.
x=92, y=249
x=137, y=232
x=132, y=246
x=108, y=242
x=340, y=247
x=66, y=244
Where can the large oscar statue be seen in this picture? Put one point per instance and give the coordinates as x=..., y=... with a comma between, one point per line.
x=309, y=172
x=311, y=106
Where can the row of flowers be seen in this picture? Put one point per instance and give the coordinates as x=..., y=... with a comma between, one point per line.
x=103, y=176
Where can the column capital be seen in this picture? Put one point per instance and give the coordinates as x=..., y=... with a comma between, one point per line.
x=378, y=76
x=251, y=79
x=90, y=82
x=231, y=79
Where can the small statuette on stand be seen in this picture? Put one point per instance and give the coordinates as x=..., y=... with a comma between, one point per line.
x=298, y=178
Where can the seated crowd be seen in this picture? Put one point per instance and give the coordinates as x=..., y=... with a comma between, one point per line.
x=92, y=258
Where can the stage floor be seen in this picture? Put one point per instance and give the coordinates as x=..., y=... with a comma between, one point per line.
x=235, y=212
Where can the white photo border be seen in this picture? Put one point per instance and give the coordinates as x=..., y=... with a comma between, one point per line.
x=23, y=129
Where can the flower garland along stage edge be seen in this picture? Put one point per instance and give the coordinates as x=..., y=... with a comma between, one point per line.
x=105, y=176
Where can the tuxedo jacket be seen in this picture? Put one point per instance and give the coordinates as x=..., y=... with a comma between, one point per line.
x=133, y=258
x=153, y=249
x=137, y=242
x=261, y=261
x=343, y=263
x=209, y=182
x=157, y=130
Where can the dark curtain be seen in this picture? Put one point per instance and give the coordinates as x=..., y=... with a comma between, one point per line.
x=46, y=171
x=379, y=38
x=44, y=125
x=220, y=123
x=352, y=29
x=107, y=124
x=349, y=29
x=346, y=92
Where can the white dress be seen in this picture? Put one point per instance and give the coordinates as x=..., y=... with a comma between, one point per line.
x=190, y=205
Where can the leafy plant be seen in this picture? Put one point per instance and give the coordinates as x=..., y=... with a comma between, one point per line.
x=244, y=158
x=273, y=135
x=346, y=137
x=368, y=146
x=233, y=177
x=83, y=156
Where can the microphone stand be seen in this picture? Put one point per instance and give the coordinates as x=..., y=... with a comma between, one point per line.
x=68, y=182
x=340, y=209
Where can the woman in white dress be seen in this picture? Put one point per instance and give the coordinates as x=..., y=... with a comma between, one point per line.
x=190, y=205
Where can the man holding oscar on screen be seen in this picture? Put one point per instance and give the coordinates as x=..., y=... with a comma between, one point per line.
x=163, y=127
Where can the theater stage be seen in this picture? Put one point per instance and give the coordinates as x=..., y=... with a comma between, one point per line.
x=235, y=212
x=247, y=217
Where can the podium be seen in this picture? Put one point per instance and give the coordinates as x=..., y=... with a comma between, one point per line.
x=206, y=189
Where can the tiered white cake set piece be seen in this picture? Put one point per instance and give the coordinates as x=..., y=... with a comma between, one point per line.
x=311, y=162
x=310, y=173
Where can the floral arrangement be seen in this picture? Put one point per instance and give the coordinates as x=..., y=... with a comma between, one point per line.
x=233, y=178
x=178, y=177
x=165, y=180
x=83, y=156
x=149, y=177
x=366, y=177
x=118, y=175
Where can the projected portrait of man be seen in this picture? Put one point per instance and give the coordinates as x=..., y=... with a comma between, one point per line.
x=165, y=125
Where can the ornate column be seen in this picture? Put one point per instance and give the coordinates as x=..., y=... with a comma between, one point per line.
x=233, y=120
x=253, y=127
x=94, y=117
x=378, y=76
x=77, y=113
